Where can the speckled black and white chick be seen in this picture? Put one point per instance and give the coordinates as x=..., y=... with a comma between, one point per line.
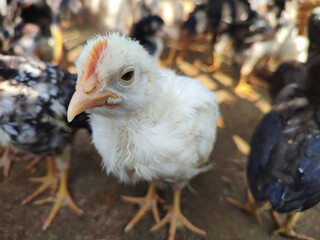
x=33, y=105
x=148, y=124
x=149, y=32
x=10, y=23
x=284, y=162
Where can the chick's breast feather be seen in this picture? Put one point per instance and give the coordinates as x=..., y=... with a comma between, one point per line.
x=161, y=126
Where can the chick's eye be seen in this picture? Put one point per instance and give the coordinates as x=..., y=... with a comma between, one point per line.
x=127, y=76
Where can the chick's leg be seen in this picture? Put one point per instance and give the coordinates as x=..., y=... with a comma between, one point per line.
x=216, y=61
x=149, y=202
x=222, y=46
x=250, y=206
x=35, y=160
x=62, y=197
x=50, y=180
x=288, y=228
x=6, y=161
x=175, y=218
x=243, y=88
x=56, y=32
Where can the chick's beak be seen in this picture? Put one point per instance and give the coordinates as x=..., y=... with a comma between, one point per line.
x=87, y=94
x=82, y=101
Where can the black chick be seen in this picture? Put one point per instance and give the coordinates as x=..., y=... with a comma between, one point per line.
x=287, y=73
x=148, y=31
x=283, y=166
x=293, y=71
x=34, y=96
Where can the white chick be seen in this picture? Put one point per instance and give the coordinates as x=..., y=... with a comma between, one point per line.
x=148, y=123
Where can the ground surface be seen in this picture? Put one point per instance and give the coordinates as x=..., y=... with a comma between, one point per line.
x=99, y=195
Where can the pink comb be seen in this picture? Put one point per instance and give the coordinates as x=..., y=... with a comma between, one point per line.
x=89, y=79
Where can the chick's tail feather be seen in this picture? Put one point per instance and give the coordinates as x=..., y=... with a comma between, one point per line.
x=275, y=192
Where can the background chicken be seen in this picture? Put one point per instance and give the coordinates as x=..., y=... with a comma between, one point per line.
x=142, y=119
x=287, y=73
x=149, y=32
x=33, y=100
x=283, y=163
x=284, y=146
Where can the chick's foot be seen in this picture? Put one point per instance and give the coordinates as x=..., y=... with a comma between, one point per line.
x=149, y=202
x=50, y=180
x=250, y=206
x=244, y=89
x=175, y=218
x=62, y=198
x=288, y=228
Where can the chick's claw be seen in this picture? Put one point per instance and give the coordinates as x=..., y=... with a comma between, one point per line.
x=288, y=228
x=50, y=180
x=176, y=219
x=149, y=202
x=250, y=206
x=243, y=88
x=62, y=198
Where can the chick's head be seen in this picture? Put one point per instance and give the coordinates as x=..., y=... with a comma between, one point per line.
x=115, y=76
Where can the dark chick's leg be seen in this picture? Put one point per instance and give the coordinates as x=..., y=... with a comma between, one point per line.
x=288, y=228
x=250, y=206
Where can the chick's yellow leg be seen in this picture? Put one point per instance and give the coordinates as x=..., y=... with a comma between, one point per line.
x=217, y=61
x=288, y=228
x=175, y=218
x=56, y=32
x=50, y=180
x=243, y=87
x=62, y=198
x=250, y=206
x=171, y=56
x=149, y=202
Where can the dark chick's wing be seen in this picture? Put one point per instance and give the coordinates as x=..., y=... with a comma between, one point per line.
x=305, y=192
x=284, y=162
x=263, y=141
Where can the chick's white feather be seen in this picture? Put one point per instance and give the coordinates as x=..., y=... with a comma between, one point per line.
x=164, y=125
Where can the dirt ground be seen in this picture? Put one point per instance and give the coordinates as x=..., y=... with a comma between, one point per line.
x=98, y=195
